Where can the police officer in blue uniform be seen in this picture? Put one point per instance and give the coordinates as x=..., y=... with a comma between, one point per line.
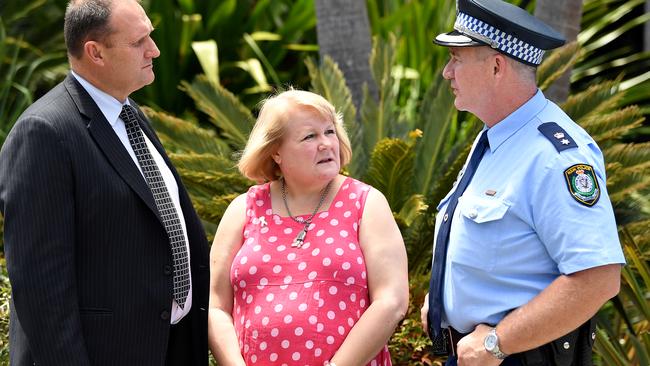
x=526, y=247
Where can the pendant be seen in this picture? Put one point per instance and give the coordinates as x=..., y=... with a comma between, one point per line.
x=300, y=238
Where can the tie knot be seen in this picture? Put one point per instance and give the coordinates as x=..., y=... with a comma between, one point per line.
x=128, y=115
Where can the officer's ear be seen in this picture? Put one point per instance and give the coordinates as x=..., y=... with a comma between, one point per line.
x=499, y=65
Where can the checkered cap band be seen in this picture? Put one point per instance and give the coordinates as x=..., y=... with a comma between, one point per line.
x=498, y=39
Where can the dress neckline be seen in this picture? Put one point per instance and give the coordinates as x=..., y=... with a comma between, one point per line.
x=269, y=203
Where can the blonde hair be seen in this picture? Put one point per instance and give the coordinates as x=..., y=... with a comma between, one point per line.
x=256, y=162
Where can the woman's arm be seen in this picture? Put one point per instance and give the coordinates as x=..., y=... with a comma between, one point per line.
x=222, y=339
x=387, y=268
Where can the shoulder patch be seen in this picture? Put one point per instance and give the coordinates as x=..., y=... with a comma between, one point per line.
x=582, y=184
x=558, y=137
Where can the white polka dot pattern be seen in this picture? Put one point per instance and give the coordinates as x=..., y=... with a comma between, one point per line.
x=295, y=306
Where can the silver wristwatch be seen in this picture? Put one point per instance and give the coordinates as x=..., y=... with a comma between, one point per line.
x=491, y=344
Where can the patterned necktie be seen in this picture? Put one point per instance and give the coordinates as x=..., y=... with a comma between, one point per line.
x=164, y=204
x=442, y=240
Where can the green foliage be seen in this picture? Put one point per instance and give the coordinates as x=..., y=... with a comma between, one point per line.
x=611, y=38
x=254, y=39
x=391, y=171
x=19, y=62
x=226, y=112
x=556, y=64
x=415, y=23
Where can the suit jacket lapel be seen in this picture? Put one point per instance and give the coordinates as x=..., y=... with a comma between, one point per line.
x=109, y=143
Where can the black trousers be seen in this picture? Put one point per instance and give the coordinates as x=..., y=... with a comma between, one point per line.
x=179, y=348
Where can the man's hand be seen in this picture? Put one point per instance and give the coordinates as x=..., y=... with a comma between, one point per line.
x=471, y=351
x=424, y=311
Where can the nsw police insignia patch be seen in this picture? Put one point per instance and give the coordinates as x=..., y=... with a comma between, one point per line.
x=582, y=183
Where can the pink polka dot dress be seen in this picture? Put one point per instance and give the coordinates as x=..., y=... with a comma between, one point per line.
x=295, y=306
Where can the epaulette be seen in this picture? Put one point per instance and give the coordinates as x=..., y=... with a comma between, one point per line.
x=558, y=137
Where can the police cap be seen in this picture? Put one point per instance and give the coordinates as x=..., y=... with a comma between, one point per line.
x=505, y=27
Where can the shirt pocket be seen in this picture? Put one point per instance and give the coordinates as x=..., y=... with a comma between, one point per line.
x=479, y=232
x=481, y=210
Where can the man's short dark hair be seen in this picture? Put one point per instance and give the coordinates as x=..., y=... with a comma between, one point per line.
x=86, y=20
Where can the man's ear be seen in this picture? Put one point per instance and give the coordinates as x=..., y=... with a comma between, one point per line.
x=500, y=65
x=94, y=51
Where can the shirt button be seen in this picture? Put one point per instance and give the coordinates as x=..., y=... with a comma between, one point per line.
x=168, y=270
x=473, y=213
x=444, y=218
x=164, y=315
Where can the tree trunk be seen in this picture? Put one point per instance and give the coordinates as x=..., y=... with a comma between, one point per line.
x=564, y=16
x=343, y=32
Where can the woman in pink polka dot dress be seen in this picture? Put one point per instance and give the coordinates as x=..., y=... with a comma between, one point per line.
x=308, y=268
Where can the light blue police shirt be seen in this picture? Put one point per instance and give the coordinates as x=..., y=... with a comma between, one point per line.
x=517, y=227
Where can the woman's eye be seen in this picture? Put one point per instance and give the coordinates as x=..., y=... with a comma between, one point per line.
x=311, y=135
x=330, y=131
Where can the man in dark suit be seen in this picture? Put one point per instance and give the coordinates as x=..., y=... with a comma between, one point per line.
x=107, y=259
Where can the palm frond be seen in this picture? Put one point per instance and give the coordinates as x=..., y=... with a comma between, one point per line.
x=233, y=119
x=214, y=182
x=611, y=126
x=557, y=63
x=212, y=209
x=181, y=135
x=438, y=124
x=391, y=171
x=328, y=81
x=627, y=167
x=202, y=162
x=597, y=98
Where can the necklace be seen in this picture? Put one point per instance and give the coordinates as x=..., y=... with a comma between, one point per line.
x=300, y=238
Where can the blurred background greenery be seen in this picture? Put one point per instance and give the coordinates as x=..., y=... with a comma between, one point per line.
x=219, y=59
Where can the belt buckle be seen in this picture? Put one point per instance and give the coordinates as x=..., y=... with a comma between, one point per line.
x=440, y=343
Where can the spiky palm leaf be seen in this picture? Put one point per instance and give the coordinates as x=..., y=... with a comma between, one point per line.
x=556, y=64
x=328, y=81
x=226, y=112
x=180, y=135
x=391, y=171
x=611, y=126
x=378, y=116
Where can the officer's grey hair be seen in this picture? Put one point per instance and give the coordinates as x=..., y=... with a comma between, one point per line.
x=526, y=72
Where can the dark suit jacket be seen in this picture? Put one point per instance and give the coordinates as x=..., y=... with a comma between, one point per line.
x=88, y=257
